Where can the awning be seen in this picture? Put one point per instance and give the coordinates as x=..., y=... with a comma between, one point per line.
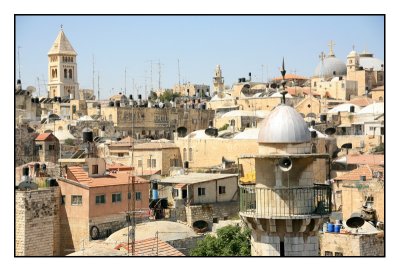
x=179, y=186
x=344, y=125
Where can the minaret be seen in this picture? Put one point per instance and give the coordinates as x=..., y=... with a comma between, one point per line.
x=218, y=80
x=62, y=68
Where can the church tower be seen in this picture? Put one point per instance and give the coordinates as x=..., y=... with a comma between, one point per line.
x=353, y=62
x=218, y=80
x=62, y=69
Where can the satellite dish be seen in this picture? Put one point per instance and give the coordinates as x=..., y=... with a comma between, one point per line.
x=181, y=131
x=347, y=145
x=330, y=131
x=211, y=132
x=31, y=89
x=355, y=222
x=285, y=164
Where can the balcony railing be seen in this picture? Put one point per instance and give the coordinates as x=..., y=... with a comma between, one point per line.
x=285, y=202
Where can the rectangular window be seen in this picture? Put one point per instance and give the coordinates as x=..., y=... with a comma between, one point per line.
x=100, y=199
x=63, y=200
x=76, y=200
x=175, y=192
x=138, y=196
x=120, y=154
x=221, y=190
x=140, y=163
x=338, y=253
x=148, y=163
x=95, y=169
x=116, y=197
x=153, y=163
x=201, y=191
x=328, y=253
x=51, y=147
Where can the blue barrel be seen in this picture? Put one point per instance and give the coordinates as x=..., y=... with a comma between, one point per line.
x=337, y=228
x=330, y=227
x=155, y=194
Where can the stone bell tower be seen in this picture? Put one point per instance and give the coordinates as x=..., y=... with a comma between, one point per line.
x=62, y=69
x=218, y=80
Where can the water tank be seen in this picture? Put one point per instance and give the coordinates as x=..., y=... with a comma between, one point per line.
x=331, y=227
x=352, y=108
x=87, y=135
x=131, y=97
x=33, y=100
x=59, y=99
x=111, y=103
x=313, y=134
x=337, y=228
x=117, y=104
x=203, y=106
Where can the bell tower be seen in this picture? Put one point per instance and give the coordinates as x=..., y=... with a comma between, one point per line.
x=218, y=80
x=62, y=68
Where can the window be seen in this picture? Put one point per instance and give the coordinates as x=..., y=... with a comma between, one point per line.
x=63, y=200
x=315, y=84
x=95, y=169
x=100, y=199
x=175, y=192
x=190, y=154
x=51, y=147
x=140, y=163
x=184, y=155
x=328, y=253
x=70, y=73
x=65, y=73
x=73, y=108
x=338, y=253
x=116, y=197
x=148, y=163
x=153, y=163
x=129, y=195
x=138, y=196
x=76, y=200
x=120, y=154
x=221, y=190
x=201, y=191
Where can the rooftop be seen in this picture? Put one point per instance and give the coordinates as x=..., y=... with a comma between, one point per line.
x=151, y=247
x=363, y=170
x=45, y=137
x=194, y=178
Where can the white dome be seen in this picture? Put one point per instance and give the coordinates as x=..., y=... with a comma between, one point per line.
x=278, y=94
x=344, y=107
x=371, y=62
x=284, y=125
x=329, y=66
x=375, y=108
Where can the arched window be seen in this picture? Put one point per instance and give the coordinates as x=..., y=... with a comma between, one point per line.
x=70, y=73
x=56, y=72
x=65, y=73
x=184, y=155
x=190, y=154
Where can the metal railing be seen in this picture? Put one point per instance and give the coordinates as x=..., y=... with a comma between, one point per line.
x=285, y=202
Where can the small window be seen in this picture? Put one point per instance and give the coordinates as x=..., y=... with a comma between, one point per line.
x=338, y=254
x=129, y=195
x=138, y=196
x=153, y=163
x=76, y=200
x=100, y=199
x=221, y=190
x=70, y=73
x=116, y=197
x=51, y=147
x=63, y=200
x=95, y=169
x=190, y=154
x=328, y=253
x=175, y=192
x=73, y=108
x=148, y=163
x=201, y=191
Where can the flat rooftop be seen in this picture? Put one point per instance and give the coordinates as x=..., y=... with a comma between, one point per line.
x=193, y=178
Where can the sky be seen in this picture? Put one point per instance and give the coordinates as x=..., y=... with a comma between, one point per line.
x=148, y=47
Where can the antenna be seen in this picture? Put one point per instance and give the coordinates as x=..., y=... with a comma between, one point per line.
x=125, y=82
x=179, y=76
x=38, y=83
x=19, y=64
x=98, y=86
x=93, y=73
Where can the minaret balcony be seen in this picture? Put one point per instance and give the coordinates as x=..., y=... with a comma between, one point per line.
x=285, y=203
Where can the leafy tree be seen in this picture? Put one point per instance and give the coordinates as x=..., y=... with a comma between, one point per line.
x=168, y=95
x=224, y=127
x=230, y=241
x=69, y=141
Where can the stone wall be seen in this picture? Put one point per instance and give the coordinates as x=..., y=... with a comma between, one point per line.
x=37, y=222
x=187, y=244
x=108, y=224
x=338, y=244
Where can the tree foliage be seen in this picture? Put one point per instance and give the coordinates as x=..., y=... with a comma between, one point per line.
x=168, y=95
x=230, y=241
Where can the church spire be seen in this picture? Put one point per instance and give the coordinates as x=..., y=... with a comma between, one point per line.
x=62, y=45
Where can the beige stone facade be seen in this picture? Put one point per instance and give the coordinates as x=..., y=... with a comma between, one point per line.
x=37, y=222
x=188, y=89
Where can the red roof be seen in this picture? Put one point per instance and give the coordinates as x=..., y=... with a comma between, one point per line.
x=151, y=247
x=363, y=170
x=45, y=136
x=290, y=77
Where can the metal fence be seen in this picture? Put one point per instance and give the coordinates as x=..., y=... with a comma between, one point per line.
x=282, y=202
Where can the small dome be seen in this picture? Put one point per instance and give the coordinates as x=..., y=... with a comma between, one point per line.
x=284, y=125
x=331, y=66
x=352, y=53
x=368, y=62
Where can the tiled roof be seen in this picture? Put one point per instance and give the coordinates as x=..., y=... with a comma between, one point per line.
x=151, y=247
x=370, y=159
x=361, y=101
x=44, y=136
x=363, y=170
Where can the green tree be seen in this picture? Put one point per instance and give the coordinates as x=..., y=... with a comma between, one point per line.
x=230, y=241
x=224, y=127
x=69, y=141
x=167, y=95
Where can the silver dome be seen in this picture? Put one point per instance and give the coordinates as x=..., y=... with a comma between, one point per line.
x=284, y=125
x=371, y=62
x=330, y=65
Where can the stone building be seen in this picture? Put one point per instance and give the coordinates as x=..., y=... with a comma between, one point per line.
x=48, y=147
x=285, y=207
x=192, y=90
x=25, y=150
x=94, y=202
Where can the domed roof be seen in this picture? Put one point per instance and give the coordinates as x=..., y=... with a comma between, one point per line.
x=352, y=53
x=328, y=66
x=367, y=61
x=375, y=108
x=344, y=107
x=284, y=125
